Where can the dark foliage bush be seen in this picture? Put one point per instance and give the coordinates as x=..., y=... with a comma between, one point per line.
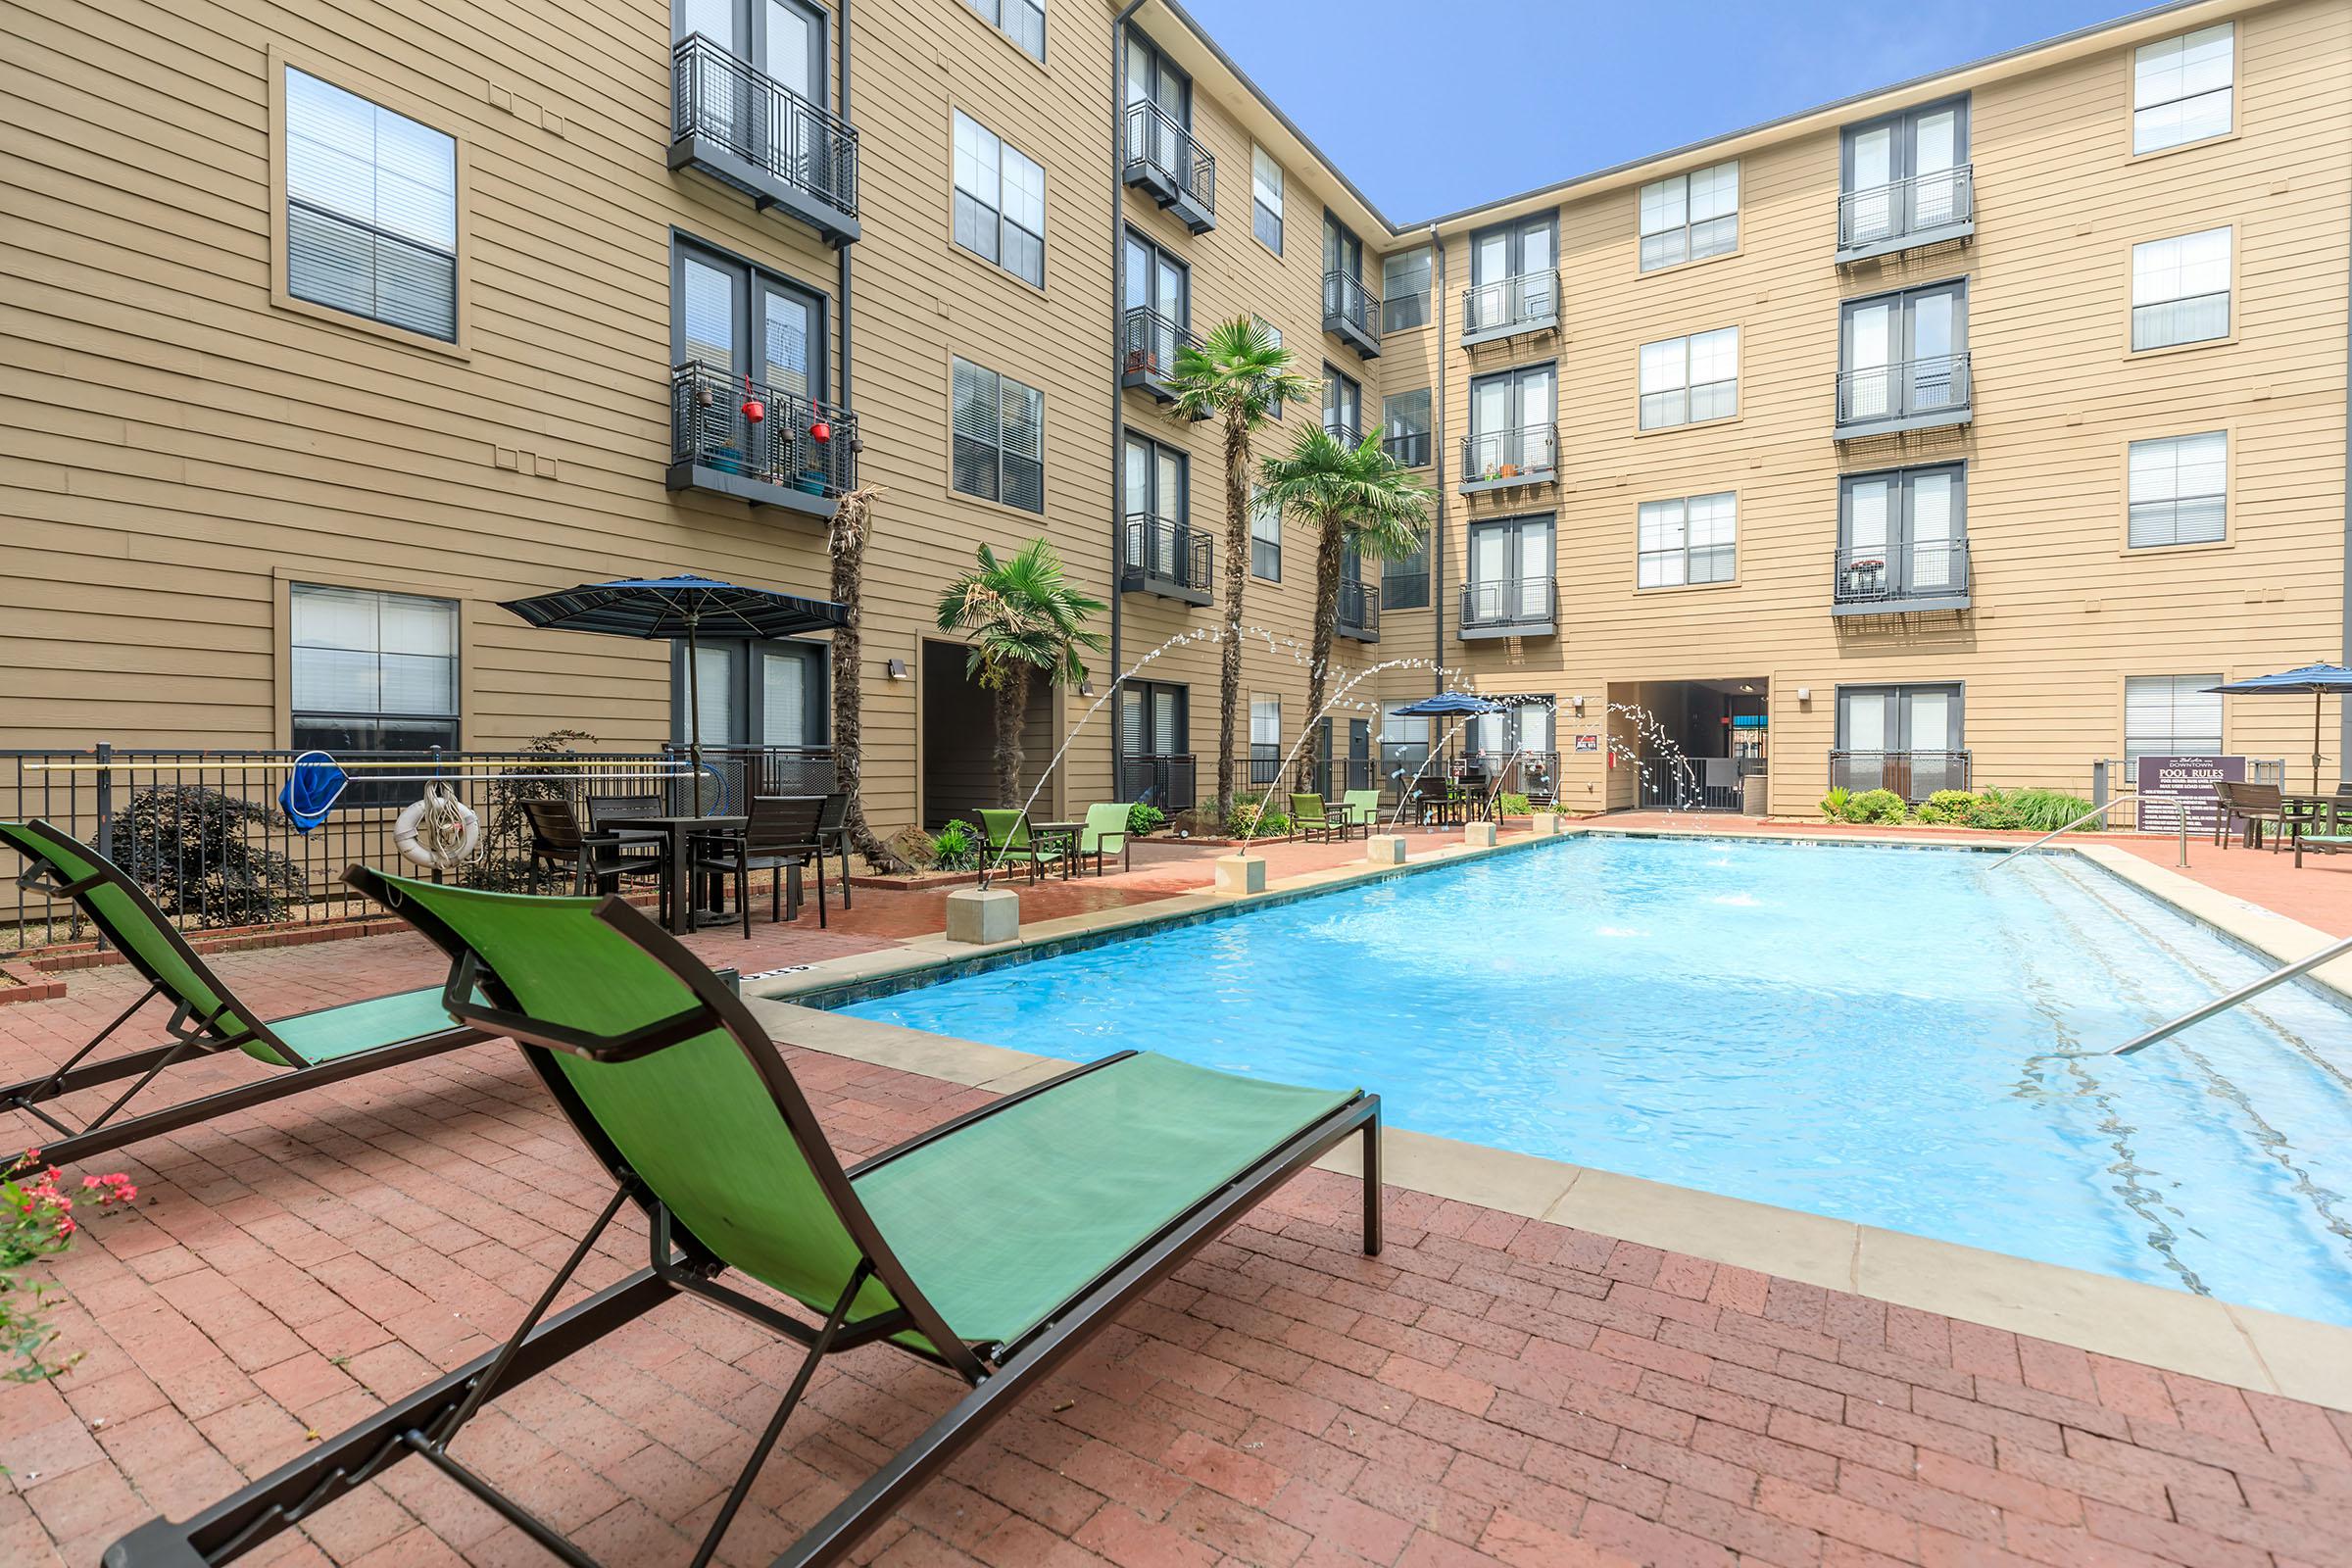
x=195, y=851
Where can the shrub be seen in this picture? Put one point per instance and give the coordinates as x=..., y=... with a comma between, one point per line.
x=1834, y=804
x=1947, y=807
x=1255, y=817
x=1142, y=819
x=1993, y=811
x=955, y=847
x=1876, y=806
x=506, y=863
x=188, y=848
x=2048, y=811
x=1510, y=803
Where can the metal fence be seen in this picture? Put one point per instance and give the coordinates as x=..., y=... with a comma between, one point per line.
x=717, y=96
x=1161, y=149
x=1880, y=215
x=1495, y=457
x=203, y=831
x=1889, y=574
x=1913, y=775
x=1359, y=611
x=1168, y=780
x=1149, y=341
x=1510, y=304
x=2114, y=775
x=1347, y=303
x=798, y=442
x=1908, y=389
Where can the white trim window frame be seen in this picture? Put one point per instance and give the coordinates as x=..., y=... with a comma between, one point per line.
x=1000, y=201
x=1690, y=217
x=2181, y=289
x=1689, y=380
x=1688, y=541
x=1265, y=198
x=2179, y=488
x=2184, y=88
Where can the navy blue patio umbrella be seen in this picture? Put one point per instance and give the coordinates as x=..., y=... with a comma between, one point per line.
x=1447, y=705
x=2317, y=680
x=680, y=609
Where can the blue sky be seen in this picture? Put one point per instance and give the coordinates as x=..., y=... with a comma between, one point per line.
x=1537, y=90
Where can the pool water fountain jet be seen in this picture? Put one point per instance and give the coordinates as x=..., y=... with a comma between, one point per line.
x=1648, y=726
x=1404, y=791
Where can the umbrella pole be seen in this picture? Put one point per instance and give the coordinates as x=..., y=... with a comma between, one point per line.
x=2317, y=700
x=693, y=713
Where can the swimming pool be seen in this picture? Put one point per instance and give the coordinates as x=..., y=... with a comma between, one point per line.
x=1890, y=1035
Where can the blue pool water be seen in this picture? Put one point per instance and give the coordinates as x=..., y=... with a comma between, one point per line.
x=1896, y=1037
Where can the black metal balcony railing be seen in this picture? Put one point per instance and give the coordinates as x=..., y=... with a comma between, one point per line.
x=1148, y=345
x=1907, y=395
x=752, y=130
x=1509, y=601
x=1167, y=159
x=1929, y=574
x=1407, y=448
x=798, y=445
x=1510, y=306
x=1351, y=312
x=1165, y=779
x=1359, y=611
x=1498, y=457
x=1913, y=775
x=1405, y=590
x=1162, y=556
x=1879, y=219
x=1343, y=431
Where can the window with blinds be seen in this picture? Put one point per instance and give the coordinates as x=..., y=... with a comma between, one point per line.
x=1265, y=199
x=1687, y=380
x=999, y=438
x=373, y=671
x=1000, y=201
x=371, y=210
x=2171, y=716
x=2181, y=289
x=1686, y=217
x=2179, y=488
x=1021, y=21
x=1265, y=538
x=1692, y=540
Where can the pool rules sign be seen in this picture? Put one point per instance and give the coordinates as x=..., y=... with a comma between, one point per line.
x=2174, y=787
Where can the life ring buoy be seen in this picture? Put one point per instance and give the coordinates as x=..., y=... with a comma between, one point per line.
x=438, y=831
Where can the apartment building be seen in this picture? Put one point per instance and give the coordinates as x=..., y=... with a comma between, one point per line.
x=1962, y=429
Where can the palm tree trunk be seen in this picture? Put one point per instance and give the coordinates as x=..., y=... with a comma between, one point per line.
x=1327, y=621
x=1237, y=573
x=846, y=542
x=1012, y=714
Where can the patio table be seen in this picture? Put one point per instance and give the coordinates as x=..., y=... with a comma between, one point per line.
x=682, y=913
x=1062, y=839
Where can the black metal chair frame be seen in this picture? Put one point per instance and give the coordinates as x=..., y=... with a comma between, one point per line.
x=833, y=831
x=192, y=1032
x=425, y=1422
x=735, y=855
x=601, y=859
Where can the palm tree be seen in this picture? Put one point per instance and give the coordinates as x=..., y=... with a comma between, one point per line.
x=1023, y=616
x=845, y=541
x=1239, y=375
x=1353, y=498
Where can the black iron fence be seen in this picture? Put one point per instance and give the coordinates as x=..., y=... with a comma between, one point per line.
x=1407, y=448
x=1160, y=552
x=1890, y=575
x=737, y=425
x=1161, y=150
x=1347, y=303
x=1169, y=780
x=720, y=97
x=1913, y=775
x=1147, y=343
x=1359, y=611
x=1909, y=389
x=1881, y=214
x=203, y=830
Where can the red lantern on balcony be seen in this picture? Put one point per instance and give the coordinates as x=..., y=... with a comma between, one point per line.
x=820, y=431
x=753, y=411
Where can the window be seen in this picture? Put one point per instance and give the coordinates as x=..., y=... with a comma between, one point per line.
x=1156, y=135
x=1905, y=175
x=1265, y=199
x=371, y=210
x=786, y=41
x=1343, y=296
x=1157, y=305
x=752, y=692
x=1153, y=722
x=1902, y=359
x=1691, y=216
x=1514, y=277
x=1405, y=427
x=1686, y=381
x=1273, y=336
x=1510, y=575
x=1404, y=289
x=2179, y=490
x=2181, y=89
x=1404, y=581
x=1907, y=739
x=373, y=671
x=1343, y=407
x=1265, y=538
x=1902, y=532
x=2171, y=716
x=738, y=320
x=1266, y=738
x=1693, y=540
x=2180, y=290
x=1512, y=429
x=1021, y=21
x=999, y=438
x=1000, y=201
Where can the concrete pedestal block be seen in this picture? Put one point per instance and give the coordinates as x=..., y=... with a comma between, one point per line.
x=1479, y=835
x=1384, y=848
x=983, y=915
x=1548, y=824
x=1239, y=875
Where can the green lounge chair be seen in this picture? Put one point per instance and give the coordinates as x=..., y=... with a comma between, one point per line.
x=1361, y=809
x=1105, y=833
x=1011, y=843
x=324, y=1047
x=994, y=1245
x=1309, y=821
x=2322, y=831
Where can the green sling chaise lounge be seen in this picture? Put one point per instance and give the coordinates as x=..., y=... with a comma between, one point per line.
x=993, y=1244
x=311, y=1049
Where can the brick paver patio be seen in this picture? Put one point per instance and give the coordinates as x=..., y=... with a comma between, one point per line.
x=1491, y=1391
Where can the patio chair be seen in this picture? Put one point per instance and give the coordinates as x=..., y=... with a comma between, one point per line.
x=995, y=1245
x=2250, y=805
x=2322, y=832
x=321, y=1046
x=1010, y=842
x=1361, y=809
x=608, y=816
x=779, y=835
x=1105, y=833
x=598, y=861
x=833, y=832
x=1308, y=821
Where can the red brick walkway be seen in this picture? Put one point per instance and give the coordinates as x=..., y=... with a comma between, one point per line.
x=1490, y=1391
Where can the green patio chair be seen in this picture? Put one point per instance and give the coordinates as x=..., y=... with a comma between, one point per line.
x=1010, y=842
x=2322, y=831
x=994, y=1245
x=1361, y=809
x=1105, y=833
x=323, y=1047
x=1309, y=821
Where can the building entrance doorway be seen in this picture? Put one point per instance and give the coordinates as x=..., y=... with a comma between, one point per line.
x=1690, y=745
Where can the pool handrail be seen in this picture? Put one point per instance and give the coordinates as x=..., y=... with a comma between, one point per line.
x=2064, y=827
x=2221, y=1005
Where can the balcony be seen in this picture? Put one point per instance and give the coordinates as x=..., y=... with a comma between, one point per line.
x=1148, y=345
x=1163, y=557
x=1505, y=460
x=744, y=128
x=1909, y=395
x=1907, y=214
x=1913, y=775
x=1345, y=433
x=1900, y=579
x=757, y=443
x=1351, y=314
x=1512, y=307
x=1168, y=163
x=1523, y=607
x=1360, y=612
x=1168, y=780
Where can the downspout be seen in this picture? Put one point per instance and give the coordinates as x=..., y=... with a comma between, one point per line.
x=1118, y=404
x=1436, y=541
x=842, y=251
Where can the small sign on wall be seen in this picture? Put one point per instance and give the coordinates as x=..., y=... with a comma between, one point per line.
x=2174, y=787
x=1588, y=743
